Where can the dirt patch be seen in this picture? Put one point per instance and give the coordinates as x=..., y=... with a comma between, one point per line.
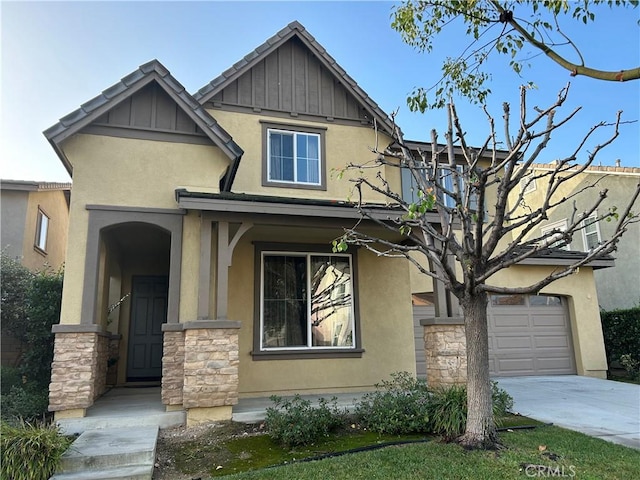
x=192, y=453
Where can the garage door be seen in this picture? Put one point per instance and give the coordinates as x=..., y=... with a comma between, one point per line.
x=529, y=335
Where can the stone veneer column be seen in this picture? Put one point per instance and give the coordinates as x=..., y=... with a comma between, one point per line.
x=211, y=360
x=79, y=368
x=445, y=351
x=172, y=365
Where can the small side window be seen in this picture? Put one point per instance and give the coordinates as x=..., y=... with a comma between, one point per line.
x=42, y=228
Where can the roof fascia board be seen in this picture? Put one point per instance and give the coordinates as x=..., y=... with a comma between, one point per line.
x=102, y=109
x=551, y=261
x=278, y=208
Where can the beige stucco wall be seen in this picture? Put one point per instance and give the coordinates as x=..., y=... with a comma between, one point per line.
x=344, y=145
x=385, y=325
x=54, y=205
x=580, y=291
x=617, y=286
x=126, y=172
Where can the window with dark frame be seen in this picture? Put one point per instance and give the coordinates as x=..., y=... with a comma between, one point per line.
x=42, y=229
x=306, y=301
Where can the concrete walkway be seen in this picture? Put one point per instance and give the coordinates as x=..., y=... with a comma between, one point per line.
x=600, y=408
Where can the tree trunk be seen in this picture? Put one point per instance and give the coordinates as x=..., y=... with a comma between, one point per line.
x=480, y=431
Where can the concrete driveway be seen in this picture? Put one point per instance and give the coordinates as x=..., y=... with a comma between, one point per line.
x=600, y=408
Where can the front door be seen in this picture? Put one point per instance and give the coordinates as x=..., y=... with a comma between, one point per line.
x=148, y=313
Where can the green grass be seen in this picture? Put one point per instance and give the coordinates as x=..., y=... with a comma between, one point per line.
x=573, y=454
x=259, y=451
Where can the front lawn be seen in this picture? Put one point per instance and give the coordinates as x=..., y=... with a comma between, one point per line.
x=540, y=453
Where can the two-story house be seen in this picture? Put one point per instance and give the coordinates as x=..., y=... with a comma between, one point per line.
x=213, y=214
x=617, y=287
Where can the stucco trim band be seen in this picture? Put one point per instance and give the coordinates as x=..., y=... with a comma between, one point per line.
x=442, y=321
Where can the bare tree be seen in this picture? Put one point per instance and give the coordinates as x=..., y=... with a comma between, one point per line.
x=484, y=224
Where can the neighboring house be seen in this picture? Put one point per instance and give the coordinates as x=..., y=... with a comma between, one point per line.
x=213, y=214
x=35, y=218
x=619, y=287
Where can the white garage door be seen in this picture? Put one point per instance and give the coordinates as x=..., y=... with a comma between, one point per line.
x=529, y=335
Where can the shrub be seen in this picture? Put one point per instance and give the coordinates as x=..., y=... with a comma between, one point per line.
x=27, y=402
x=502, y=401
x=406, y=405
x=398, y=406
x=448, y=409
x=9, y=377
x=31, y=451
x=631, y=365
x=30, y=307
x=295, y=421
x=44, y=300
x=621, y=329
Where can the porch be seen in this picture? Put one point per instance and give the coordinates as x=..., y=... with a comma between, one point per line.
x=142, y=407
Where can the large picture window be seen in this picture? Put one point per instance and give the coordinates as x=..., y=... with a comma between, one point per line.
x=307, y=301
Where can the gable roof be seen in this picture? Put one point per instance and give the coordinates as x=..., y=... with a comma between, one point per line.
x=152, y=71
x=295, y=29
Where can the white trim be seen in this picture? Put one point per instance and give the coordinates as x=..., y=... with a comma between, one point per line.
x=560, y=225
x=42, y=230
x=294, y=134
x=309, y=346
x=595, y=223
x=527, y=184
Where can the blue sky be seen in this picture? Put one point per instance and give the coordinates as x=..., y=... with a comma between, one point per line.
x=58, y=55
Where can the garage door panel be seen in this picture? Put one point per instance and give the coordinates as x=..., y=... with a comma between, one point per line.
x=550, y=341
x=510, y=321
x=514, y=366
x=555, y=365
x=506, y=342
x=557, y=320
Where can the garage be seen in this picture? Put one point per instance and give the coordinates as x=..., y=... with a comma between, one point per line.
x=528, y=335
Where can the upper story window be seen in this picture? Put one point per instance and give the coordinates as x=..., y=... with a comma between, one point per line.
x=527, y=184
x=591, y=232
x=42, y=228
x=555, y=240
x=293, y=157
x=410, y=193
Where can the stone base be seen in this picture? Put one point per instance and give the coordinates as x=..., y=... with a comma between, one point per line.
x=445, y=349
x=174, y=408
x=74, y=413
x=197, y=416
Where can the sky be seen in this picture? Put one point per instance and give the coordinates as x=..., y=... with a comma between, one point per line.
x=57, y=55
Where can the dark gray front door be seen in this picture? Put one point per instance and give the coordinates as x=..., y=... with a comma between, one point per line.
x=148, y=313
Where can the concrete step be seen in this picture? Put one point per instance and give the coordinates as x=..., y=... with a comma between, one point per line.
x=101, y=452
x=138, y=472
x=123, y=419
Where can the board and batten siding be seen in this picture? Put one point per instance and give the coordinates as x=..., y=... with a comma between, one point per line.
x=292, y=79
